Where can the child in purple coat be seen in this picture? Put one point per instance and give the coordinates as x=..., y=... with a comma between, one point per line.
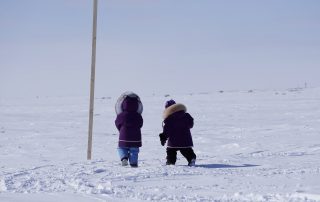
x=129, y=123
x=176, y=129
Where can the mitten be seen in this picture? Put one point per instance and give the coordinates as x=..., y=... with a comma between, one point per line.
x=163, y=138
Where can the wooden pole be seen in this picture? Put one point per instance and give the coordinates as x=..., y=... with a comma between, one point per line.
x=92, y=80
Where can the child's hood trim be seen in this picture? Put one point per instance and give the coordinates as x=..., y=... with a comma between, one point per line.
x=172, y=109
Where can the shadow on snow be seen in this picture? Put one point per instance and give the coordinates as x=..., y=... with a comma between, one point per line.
x=225, y=166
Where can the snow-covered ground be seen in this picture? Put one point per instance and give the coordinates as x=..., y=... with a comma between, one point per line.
x=251, y=146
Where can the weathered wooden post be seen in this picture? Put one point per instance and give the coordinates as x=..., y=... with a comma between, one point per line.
x=92, y=80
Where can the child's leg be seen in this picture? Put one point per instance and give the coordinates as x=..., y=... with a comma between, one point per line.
x=133, y=156
x=188, y=153
x=123, y=153
x=171, y=156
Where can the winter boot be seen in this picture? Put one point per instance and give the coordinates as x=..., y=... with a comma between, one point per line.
x=169, y=163
x=124, y=162
x=192, y=162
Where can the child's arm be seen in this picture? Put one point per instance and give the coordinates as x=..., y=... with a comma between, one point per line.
x=163, y=136
x=140, y=121
x=190, y=120
x=118, y=122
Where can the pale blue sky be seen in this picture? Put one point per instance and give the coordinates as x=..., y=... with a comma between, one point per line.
x=158, y=46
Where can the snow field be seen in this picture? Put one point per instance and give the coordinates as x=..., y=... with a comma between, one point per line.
x=250, y=146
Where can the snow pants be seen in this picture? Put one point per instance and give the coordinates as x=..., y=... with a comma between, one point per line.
x=188, y=153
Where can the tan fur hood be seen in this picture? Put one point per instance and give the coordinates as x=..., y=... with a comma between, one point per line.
x=172, y=109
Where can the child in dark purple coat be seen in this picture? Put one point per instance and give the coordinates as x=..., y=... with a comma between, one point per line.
x=176, y=129
x=129, y=123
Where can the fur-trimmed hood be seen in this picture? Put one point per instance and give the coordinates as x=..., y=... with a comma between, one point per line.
x=172, y=109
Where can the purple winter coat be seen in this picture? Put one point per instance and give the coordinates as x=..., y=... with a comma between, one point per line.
x=177, y=125
x=129, y=124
